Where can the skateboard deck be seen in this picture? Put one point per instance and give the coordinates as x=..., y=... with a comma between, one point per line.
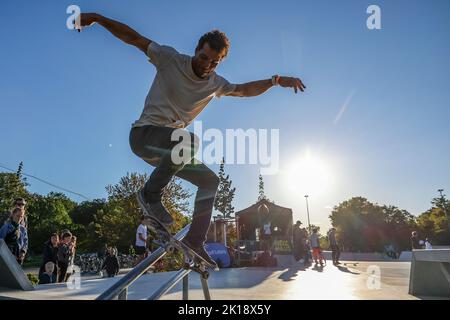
x=169, y=242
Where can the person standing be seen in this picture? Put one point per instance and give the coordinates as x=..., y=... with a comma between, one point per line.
x=72, y=252
x=141, y=242
x=415, y=241
x=15, y=235
x=335, y=251
x=64, y=255
x=317, y=250
x=111, y=263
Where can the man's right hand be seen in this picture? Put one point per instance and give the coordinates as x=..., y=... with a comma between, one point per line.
x=86, y=20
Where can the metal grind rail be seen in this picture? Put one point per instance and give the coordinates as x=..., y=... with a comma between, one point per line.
x=120, y=289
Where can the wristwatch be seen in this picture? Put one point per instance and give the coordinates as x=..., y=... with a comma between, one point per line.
x=275, y=80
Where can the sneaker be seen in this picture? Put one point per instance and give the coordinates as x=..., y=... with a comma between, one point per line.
x=201, y=252
x=155, y=210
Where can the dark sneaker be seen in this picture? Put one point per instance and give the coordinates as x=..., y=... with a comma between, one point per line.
x=201, y=252
x=155, y=210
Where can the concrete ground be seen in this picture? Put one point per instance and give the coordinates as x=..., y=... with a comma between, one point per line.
x=355, y=280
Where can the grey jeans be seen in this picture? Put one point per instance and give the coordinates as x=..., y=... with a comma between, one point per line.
x=153, y=144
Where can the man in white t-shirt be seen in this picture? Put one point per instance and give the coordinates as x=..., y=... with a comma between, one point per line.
x=182, y=88
x=140, y=246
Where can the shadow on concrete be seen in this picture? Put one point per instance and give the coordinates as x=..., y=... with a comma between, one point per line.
x=317, y=267
x=346, y=270
x=291, y=273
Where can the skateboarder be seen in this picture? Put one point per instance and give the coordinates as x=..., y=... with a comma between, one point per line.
x=182, y=88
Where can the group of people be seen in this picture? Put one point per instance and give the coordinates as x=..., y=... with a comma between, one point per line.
x=416, y=243
x=58, y=258
x=305, y=243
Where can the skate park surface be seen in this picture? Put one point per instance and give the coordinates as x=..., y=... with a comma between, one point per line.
x=354, y=280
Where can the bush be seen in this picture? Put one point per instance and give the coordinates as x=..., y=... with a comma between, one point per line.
x=33, y=278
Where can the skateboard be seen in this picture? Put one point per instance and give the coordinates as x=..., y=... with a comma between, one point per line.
x=166, y=240
x=353, y=263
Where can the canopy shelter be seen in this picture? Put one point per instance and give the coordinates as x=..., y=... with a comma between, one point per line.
x=266, y=226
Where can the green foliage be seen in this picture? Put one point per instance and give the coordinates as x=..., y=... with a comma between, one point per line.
x=433, y=224
x=12, y=186
x=261, y=194
x=225, y=193
x=47, y=214
x=33, y=278
x=367, y=227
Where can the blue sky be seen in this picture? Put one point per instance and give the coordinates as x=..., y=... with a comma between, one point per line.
x=67, y=100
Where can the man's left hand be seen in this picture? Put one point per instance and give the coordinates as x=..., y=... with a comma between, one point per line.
x=290, y=82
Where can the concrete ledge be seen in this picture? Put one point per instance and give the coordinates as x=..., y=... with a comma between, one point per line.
x=430, y=273
x=11, y=273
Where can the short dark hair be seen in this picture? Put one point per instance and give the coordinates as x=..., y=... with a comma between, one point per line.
x=217, y=40
x=17, y=200
x=142, y=218
x=66, y=235
x=54, y=235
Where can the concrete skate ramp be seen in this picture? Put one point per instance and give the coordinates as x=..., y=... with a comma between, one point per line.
x=11, y=273
x=430, y=273
x=296, y=282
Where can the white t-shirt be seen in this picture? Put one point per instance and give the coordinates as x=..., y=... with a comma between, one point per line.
x=177, y=95
x=142, y=229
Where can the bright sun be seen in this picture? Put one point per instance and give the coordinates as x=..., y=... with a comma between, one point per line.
x=308, y=174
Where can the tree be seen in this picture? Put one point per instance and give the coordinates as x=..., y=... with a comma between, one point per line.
x=12, y=186
x=46, y=215
x=364, y=226
x=116, y=224
x=225, y=193
x=261, y=194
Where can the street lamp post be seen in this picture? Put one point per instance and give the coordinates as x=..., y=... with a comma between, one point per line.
x=444, y=205
x=307, y=211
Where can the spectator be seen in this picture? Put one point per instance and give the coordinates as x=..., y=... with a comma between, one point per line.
x=48, y=276
x=15, y=235
x=101, y=254
x=415, y=242
x=141, y=242
x=64, y=255
x=50, y=254
x=317, y=251
x=21, y=204
x=335, y=251
x=297, y=238
x=305, y=250
x=428, y=245
x=72, y=248
x=111, y=263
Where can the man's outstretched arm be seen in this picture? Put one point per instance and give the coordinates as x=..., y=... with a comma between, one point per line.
x=255, y=88
x=120, y=30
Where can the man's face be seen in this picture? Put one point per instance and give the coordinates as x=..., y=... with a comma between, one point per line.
x=205, y=61
x=66, y=240
x=20, y=204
